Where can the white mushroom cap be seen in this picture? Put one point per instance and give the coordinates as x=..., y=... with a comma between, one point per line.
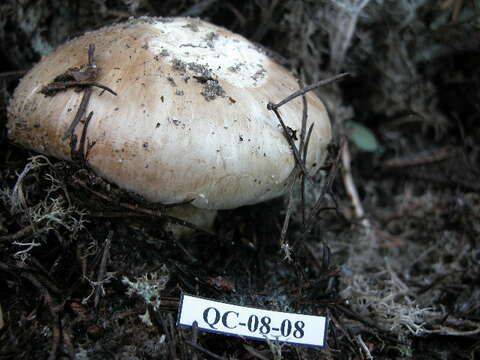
x=190, y=120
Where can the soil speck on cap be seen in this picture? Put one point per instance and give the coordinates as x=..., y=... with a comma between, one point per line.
x=179, y=65
x=191, y=26
x=212, y=89
x=210, y=38
x=200, y=70
x=211, y=86
x=171, y=81
x=235, y=68
x=259, y=74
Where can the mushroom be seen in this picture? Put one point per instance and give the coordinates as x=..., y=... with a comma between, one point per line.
x=190, y=119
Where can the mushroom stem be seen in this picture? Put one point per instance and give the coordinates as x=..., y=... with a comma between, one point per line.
x=203, y=218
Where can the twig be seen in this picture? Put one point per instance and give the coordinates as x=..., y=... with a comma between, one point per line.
x=339, y=325
x=116, y=214
x=10, y=270
x=81, y=147
x=56, y=338
x=448, y=331
x=327, y=189
x=149, y=212
x=304, y=144
x=17, y=73
x=288, y=213
x=57, y=86
x=364, y=347
x=2, y=322
x=83, y=77
x=304, y=124
x=53, y=309
x=274, y=107
x=91, y=60
x=80, y=154
x=80, y=113
x=27, y=230
x=321, y=264
x=306, y=89
x=45, y=276
x=194, y=337
x=162, y=326
x=307, y=141
x=199, y=8
x=351, y=188
x=102, y=267
x=67, y=340
x=300, y=154
x=203, y=350
x=466, y=158
x=305, y=150
x=255, y=352
x=422, y=158
x=170, y=336
x=291, y=142
x=354, y=315
x=191, y=258
x=345, y=17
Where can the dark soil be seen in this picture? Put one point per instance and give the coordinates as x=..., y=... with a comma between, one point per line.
x=397, y=272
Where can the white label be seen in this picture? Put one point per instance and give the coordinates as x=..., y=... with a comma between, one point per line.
x=251, y=322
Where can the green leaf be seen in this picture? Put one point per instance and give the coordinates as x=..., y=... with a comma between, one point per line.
x=363, y=137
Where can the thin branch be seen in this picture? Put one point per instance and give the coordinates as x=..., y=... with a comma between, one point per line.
x=274, y=107
x=91, y=60
x=386, y=334
x=203, y=350
x=255, y=352
x=194, y=337
x=84, y=152
x=304, y=124
x=300, y=92
x=54, y=310
x=16, y=73
x=28, y=230
x=198, y=9
x=449, y=331
x=327, y=189
x=352, y=189
x=54, y=87
x=291, y=142
x=83, y=77
x=103, y=267
x=283, y=234
x=149, y=212
x=303, y=149
x=80, y=113
x=307, y=142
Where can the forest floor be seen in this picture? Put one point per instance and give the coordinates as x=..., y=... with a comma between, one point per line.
x=391, y=256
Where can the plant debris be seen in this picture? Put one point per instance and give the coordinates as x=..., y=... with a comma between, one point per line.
x=383, y=242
